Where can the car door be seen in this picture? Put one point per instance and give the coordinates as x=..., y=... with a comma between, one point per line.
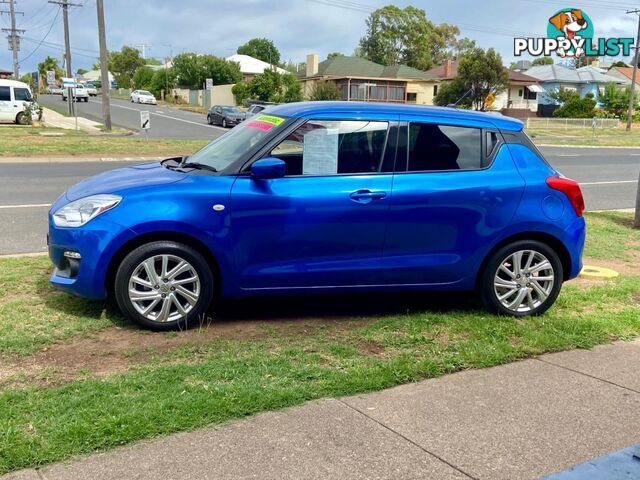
x=217, y=115
x=323, y=223
x=455, y=190
x=6, y=105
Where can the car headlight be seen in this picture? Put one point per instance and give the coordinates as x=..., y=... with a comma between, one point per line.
x=79, y=212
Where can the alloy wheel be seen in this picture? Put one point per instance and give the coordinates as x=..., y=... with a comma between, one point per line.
x=523, y=281
x=164, y=288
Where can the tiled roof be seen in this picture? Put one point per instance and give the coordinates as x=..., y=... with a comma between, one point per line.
x=439, y=71
x=560, y=74
x=343, y=66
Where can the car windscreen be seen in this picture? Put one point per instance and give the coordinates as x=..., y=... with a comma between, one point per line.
x=231, y=109
x=22, y=94
x=144, y=92
x=237, y=142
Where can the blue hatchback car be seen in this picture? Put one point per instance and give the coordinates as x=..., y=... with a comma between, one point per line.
x=326, y=197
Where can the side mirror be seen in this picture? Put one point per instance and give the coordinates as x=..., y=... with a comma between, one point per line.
x=268, y=168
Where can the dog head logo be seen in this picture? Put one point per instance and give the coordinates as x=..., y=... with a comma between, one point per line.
x=572, y=25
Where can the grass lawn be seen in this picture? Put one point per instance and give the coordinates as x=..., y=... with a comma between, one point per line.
x=75, y=378
x=28, y=142
x=583, y=136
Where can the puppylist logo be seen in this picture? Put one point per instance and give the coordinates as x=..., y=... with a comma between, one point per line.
x=570, y=33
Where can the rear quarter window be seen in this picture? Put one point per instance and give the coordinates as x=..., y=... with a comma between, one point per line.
x=435, y=147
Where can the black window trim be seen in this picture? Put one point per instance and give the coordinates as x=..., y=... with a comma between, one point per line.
x=266, y=150
x=485, y=160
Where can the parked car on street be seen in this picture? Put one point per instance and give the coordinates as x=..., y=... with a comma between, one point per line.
x=54, y=90
x=225, y=115
x=142, y=96
x=91, y=89
x=15, y=97
x=255, y=109
x=80, y=94
x=319, y=197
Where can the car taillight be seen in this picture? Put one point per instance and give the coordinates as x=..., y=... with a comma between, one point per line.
x=571, y=189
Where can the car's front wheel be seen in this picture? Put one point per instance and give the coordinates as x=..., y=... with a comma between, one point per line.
x=523, y=278
x=164, y=286
x=224, y=123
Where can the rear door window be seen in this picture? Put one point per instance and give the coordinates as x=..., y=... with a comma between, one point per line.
x=5, y=94
x=434, y=147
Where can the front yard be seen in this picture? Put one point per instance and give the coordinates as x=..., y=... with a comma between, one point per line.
x=74, y=377
x=576, y=137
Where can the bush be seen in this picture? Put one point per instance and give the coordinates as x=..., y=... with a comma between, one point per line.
x=325, y=91
x=576, y=107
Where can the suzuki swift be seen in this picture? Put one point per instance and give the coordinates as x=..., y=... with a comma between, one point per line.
x=326, y=197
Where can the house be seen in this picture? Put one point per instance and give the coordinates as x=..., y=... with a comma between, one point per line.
x=360, y=79
x=96, y=76
x=5, y=73
x=250, y=67
x=625, y=74
x=519, y=99
x=582, y=80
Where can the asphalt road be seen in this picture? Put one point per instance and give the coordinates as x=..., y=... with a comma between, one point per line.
x=166, y=122
x=609, y=179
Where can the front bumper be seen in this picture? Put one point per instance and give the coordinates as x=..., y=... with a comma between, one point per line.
x=95, y=243
x=148, y=101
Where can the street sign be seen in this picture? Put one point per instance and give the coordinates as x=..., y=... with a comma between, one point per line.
x=209, y=83
x=489, y=99
x=68, y=82
x=51, y=77
x=145, y=120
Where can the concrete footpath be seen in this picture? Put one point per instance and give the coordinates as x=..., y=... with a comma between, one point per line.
x=524, y=420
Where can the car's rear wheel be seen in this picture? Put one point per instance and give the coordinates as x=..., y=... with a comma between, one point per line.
x=520, y=279
x=224, y=123
x=164, y=286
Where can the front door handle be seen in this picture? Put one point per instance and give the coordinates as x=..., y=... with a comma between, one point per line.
x=367, y=196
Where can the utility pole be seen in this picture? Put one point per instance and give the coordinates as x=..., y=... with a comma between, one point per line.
x=635, y=71
x=144, y=47
x=67, y=45
x=104, y=68
x=14, y=39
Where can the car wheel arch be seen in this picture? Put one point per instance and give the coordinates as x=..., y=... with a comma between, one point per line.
x=149, y=237
x=543, y=237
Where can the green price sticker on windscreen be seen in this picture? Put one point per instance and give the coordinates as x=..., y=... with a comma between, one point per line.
x=272, y=119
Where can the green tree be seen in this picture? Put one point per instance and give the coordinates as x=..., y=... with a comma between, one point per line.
x=334, y=55
x=142, y=78
x=576, y=107
x=262, y=49
x=325, y=91
x=28, y=79
x=619, y=63
x=615, y=101
x=405, y=36
x=81, y=71
x=291, y=89
x=463, y=46
x=153, y=61
x=163, y=79
x=269, y=86
x=47, y=64
x=542, y=61
x=482, y=73
x=123, y=65
x=193, y=69
x=513, y=66
x=453, y=92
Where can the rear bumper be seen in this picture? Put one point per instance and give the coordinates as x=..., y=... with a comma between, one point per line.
x=576, y=233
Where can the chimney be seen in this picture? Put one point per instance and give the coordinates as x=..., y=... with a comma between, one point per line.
x=448, y=66
x=312, y=64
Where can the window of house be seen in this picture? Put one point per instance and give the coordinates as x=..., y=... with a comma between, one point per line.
x=5, y=94
x=529, y=95
x=22, y=94
x=444, y=147
x=326, y=147
x=435, y=90
x=520, y=91
x=412, y=97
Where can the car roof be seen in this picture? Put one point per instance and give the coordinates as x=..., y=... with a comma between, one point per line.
x=308, y=109
x=12, y=83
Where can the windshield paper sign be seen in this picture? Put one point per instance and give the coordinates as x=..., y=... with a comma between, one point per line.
x=570, y=33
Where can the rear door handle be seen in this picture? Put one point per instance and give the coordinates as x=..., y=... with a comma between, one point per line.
x=367, y=196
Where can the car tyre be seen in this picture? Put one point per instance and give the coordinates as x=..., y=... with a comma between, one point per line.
x=208, y=119
x=135, y=281
x=224, y=123
x=20, y=118
x=516, y=291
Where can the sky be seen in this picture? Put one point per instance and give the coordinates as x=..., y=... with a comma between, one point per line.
x=297, y=27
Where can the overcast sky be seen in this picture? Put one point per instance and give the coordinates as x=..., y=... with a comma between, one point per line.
x=296, y=26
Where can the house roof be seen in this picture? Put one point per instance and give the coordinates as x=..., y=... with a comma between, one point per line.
x=344, y=66
x=627, y=72
x=439, y=71
x=252, y=65
x=561, y=74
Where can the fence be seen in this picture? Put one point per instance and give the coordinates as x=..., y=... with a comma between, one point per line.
x=218, y=95
x=566, y=123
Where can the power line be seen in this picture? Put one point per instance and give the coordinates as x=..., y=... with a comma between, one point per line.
x=13, y=37
x=53, y=22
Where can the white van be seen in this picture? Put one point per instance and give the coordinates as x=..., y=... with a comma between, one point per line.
x=13, y=98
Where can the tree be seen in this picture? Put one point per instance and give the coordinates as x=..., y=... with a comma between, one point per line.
x=153, y=61
x=405, y=36
x=334, y=55
x=163, y=79
x=619, y=63
x=453, y=92
x=542, y=61
x=47, y=64
x=192, y=70
x=615, y=101
x=291, y=89
x=28, y=79
x=513, y=66
x=463, y=47
x=269, y=86
x=142, y=78
x=576, y=107
x=482, y=73
x=325, y=91
x=262, y=49
x=123, y=65
x=81, y=71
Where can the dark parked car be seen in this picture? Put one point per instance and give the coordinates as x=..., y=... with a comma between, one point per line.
x=225, y=115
